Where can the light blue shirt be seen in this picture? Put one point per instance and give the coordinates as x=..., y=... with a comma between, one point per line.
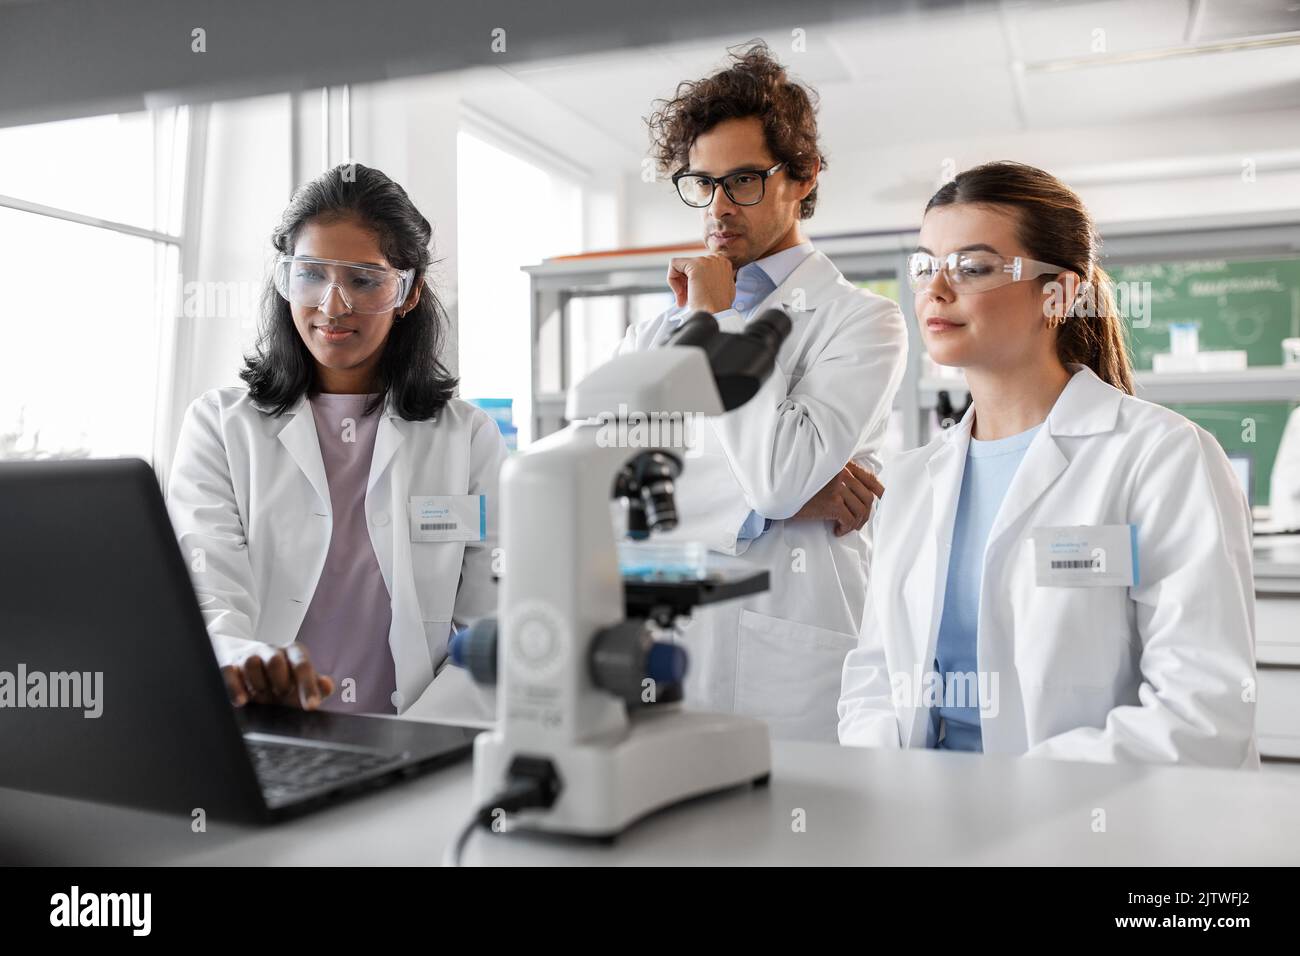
x=754, y=283
x=990, y=466
x=759, y=279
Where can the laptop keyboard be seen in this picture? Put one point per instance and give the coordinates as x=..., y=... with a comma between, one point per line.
x=288, y=770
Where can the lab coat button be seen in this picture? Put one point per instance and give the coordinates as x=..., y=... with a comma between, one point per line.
x=381, y=518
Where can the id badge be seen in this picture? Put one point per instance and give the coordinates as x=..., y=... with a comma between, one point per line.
x=448, y=517
x=1086, y=556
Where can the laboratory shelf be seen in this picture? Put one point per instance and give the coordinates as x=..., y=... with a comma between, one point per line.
x=1260, y=384
x=558, y=282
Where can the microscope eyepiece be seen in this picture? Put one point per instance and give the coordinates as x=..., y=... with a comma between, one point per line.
x=700, y=329
x=740, y=361
x=770, y=329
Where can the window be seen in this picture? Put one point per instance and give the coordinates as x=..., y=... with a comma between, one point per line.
x=509, y=213
x=90, y=214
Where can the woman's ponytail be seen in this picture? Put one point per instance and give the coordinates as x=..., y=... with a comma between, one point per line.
x=1093, y=333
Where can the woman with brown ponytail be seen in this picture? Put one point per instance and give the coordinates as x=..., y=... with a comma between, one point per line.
x=1067, y=572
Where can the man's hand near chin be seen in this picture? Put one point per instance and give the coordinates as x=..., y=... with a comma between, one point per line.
x=703, y=283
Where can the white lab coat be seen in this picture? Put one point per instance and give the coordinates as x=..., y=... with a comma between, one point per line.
x=251, y=507
x=778, y=654
x=1160, y=672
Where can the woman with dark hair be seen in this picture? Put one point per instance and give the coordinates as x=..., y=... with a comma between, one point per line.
x=339, y=513
x=1067, y=572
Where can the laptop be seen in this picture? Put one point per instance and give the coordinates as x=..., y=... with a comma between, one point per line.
x=109, y=686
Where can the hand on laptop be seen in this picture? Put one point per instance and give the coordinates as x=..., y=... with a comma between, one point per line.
x=277, y=675
x=846, y=500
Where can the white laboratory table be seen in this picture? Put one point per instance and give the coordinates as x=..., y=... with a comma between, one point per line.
x=858, y=806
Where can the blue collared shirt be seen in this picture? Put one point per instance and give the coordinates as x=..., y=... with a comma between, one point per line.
x=754, y=283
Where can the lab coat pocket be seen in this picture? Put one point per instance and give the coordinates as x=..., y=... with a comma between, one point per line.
x=454, y=698
x=436, y=567
x=1067, y=638
x=789, y=674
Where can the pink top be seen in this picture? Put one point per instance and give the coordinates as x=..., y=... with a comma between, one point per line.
x=347, y=622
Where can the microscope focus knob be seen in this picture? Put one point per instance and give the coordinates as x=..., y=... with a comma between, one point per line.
x=666, y=663
x=475, y=649
x=631, y=665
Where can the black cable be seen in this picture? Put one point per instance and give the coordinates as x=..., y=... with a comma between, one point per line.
x=532, y=784
x=456, y=849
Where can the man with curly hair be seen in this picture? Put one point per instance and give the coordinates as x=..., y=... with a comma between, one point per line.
x=787, y=480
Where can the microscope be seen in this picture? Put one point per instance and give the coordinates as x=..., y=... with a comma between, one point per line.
x=590, y=733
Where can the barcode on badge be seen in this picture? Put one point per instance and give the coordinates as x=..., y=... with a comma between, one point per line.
x=439, y=526
x=1088, y=563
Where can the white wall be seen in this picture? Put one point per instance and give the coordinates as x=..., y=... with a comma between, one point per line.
x=407, y=128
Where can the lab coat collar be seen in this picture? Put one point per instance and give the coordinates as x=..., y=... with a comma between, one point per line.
x=778, y=266
x=1086, y=406
x=959, y=434
x=945, y=467
x=299, y=438
x=301, y=406
x=813, y=282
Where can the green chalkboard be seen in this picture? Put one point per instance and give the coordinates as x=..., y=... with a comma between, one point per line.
x=1238, y=304
x=1250, y=305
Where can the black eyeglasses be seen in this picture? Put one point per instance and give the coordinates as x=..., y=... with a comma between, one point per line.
x=745, y=187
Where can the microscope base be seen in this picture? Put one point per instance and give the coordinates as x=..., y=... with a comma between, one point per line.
x=669, y=755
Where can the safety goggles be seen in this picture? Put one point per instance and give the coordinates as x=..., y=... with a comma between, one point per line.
x=975, y=271
x=307, y=281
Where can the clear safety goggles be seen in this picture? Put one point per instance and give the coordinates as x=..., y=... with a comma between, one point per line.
x=309, y=282
x=975, y=271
